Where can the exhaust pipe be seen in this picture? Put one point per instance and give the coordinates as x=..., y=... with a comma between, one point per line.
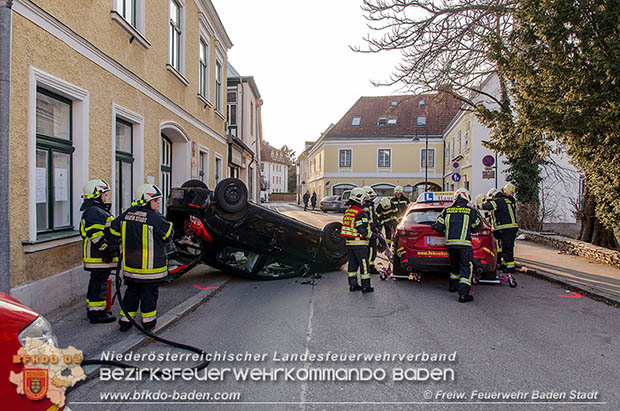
x=479, y=270
x=409, y=268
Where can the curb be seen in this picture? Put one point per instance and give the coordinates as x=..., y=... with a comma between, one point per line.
x=134, y=341
x=590, y=292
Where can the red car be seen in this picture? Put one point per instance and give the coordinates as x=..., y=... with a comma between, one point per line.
x=16, y=323
x=424, y=249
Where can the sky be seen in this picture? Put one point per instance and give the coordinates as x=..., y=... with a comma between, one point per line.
x=298, y=52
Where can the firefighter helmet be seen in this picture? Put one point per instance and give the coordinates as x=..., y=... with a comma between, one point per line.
x=147, y=192
x=358, y=195
x=509, y=189
x=94, y=189
x=385, y=202
x=464, y=193
x=479, y=200
x=398, y=189
x=492, y=192
x=370, y=192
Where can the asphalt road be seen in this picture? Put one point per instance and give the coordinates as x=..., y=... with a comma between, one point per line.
x=526, y=340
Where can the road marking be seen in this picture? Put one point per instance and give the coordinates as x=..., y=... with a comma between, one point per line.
x=304, y=384
x=572, y=295
x=205, y=288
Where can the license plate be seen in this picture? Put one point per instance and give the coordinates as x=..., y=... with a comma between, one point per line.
x=437, y=241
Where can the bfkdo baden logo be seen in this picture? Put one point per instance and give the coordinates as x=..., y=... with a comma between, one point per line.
x=35, y=383
x=48, y=371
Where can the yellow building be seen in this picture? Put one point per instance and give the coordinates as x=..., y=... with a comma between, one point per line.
x=381, y=142
x=128, y=91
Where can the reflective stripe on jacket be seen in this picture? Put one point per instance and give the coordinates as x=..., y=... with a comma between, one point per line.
x=355, y=226
x=385, y=215
x=400, y=204
x=96, y=240
x=504, y=212
x=458, y=221
x=143, y=233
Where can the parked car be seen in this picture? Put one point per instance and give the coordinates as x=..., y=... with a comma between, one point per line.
x=17, y=322
x=425, y=249
x=331, y=203
x=222, y=229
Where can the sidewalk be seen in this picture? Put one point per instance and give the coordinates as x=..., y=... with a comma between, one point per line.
x=599, y=280
x=175, y=300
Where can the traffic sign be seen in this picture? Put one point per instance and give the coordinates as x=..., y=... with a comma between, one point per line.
x=456, y=177
x=455, y=165
x=488, y=160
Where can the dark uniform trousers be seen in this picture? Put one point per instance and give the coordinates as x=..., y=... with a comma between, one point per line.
x=357, y=256
x=506, y=239
x=461, y=268
x=390, y=228
x=143, y=295
x=97, y=292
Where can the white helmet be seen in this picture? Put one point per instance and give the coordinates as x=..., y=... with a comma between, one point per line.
x=385, y=202
x=94, y=189
x=464, y=193
x=370, y=192
x=147, y=192
x=398, y=189
x=479, y=200
x=492, y=192
x=509, y=189
x=358, y=195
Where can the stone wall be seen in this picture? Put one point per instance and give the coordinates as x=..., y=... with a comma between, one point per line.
x=575, y=247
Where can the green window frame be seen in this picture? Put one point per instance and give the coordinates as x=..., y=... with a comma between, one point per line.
x=124, y=159
x=49, y=148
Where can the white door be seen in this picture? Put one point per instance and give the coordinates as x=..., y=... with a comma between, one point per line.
x=166, y=170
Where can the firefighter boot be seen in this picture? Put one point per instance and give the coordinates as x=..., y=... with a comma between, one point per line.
x=366, y=288
x=465, y=298
x=124, y=325
x=453, y=286
x=100, y=317
x=353, y=285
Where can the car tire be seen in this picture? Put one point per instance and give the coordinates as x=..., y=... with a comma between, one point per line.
x=331, y=237
x=195, y=183
x=231, y=195
x=323, y=210
x=396, y=268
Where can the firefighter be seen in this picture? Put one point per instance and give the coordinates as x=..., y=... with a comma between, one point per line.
x=400, y=203
x=143, y=231
x=100, y=248
x=357, y=233
x=505, y=227
x=386, y=215
x=369, y=208
x=459, y=221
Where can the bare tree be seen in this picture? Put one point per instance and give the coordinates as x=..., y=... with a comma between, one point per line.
x=445, y=45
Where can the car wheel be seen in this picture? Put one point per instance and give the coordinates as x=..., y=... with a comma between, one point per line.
x=331, y=237
x=398, y=270
x=323, y=210
x=195, y=183
x=231, y=195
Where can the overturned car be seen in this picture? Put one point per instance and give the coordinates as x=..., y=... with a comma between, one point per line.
x=223, y=229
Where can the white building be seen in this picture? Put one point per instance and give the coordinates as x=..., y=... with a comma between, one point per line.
x=274, y=169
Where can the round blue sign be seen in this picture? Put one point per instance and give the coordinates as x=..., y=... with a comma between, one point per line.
x=488, y=160
x=456, y=177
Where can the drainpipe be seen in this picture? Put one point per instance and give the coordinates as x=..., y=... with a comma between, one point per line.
x=5, y=105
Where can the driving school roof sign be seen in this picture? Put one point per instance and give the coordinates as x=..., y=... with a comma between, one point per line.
x=436, y=196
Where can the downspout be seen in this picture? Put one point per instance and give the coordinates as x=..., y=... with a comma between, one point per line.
x=5, y=110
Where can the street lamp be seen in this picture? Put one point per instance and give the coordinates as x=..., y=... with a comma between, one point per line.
x=421, y=122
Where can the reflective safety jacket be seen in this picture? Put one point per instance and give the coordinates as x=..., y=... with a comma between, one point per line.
x=386, y=214
x=400, y=204
x=504, y=211
x=458, y=221
x=355, y=226
x=369, y=209
x=97, y=240
x=143, y=233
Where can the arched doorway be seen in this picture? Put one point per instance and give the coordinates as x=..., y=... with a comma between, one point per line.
x=174, y=158
x=340, y=188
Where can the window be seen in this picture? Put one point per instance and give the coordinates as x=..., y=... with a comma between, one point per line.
x=124, y=164
x=203, y=166
x=202, y=69
x=467, y=141
x=218, y=86
x=127, y=9
x=54, y=161
x=344, y=158
x=394, y=103
x=356, y=121
x=252, y=121
x=392, y=121
x=384, y=157
x=218, y=169
x=422, y=102
x=231, y=111
x=459, y=142
x=175, y=35
x=421, y=121
x=429, y=158
x=382, y=121
x=453, y=145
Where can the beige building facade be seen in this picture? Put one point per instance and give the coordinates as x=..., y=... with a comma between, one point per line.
x=97, y=91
